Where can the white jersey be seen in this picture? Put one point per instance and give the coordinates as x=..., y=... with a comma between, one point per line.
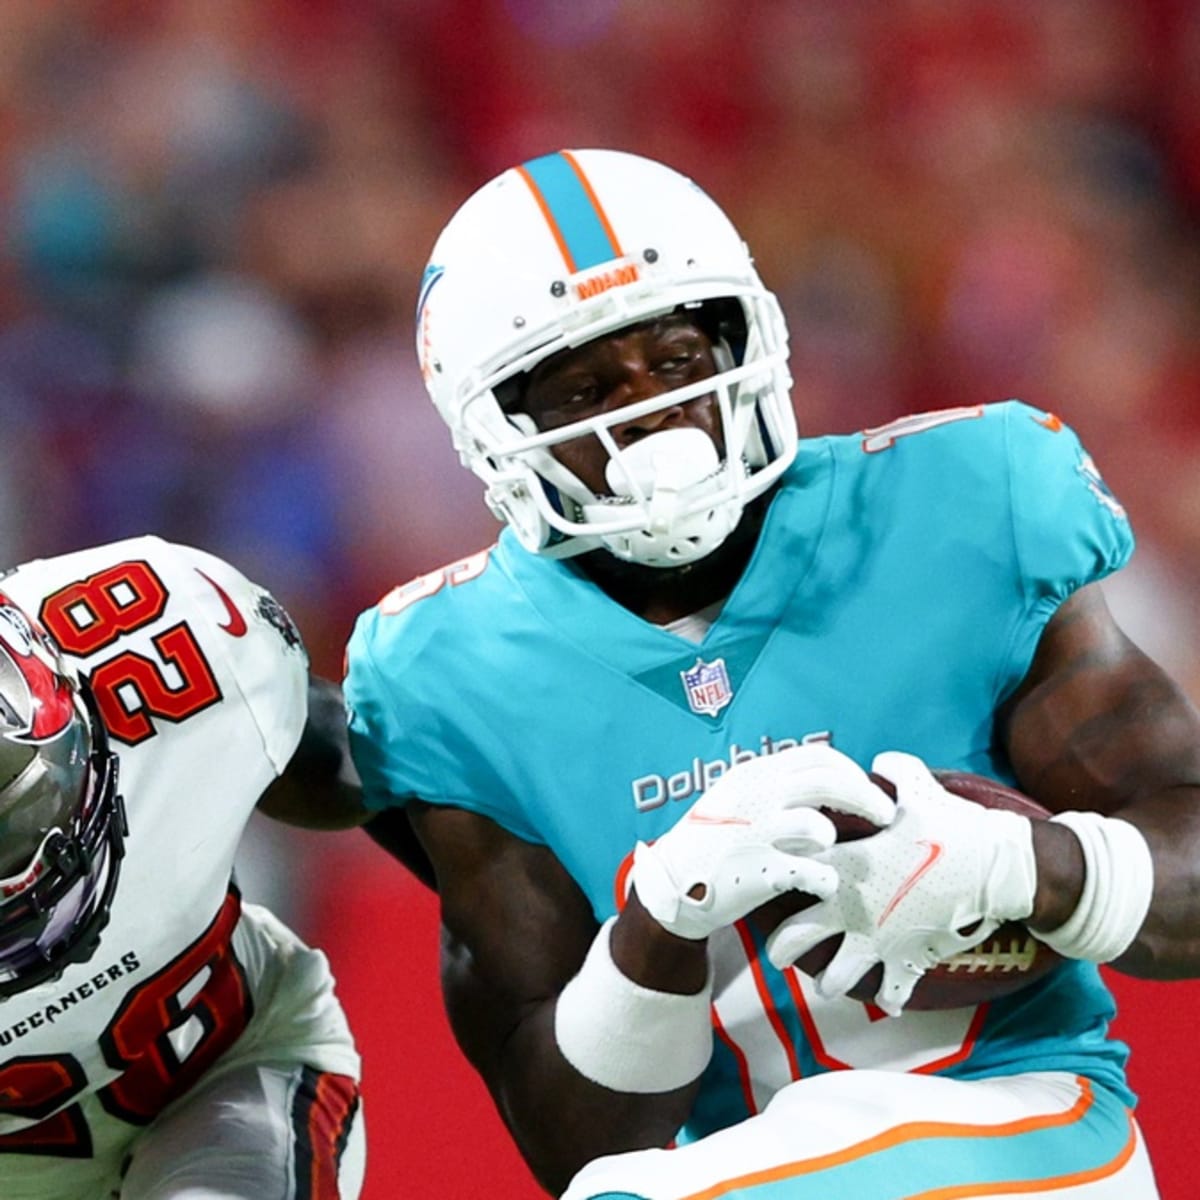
x=201, y=681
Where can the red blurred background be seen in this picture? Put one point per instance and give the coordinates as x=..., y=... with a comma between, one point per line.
x=216, y=216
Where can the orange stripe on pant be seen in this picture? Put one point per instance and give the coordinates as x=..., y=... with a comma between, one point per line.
x=918, y=1130
x=1025, y=1186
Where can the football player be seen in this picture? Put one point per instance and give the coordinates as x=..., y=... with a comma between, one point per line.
x=159, y=1035
x=614, y=733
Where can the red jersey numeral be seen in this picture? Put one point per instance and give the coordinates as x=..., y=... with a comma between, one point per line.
x=32, y=1087
x=89, y=615
x=168, y=1031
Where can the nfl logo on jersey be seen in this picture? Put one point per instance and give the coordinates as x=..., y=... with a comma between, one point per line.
x=707, y=687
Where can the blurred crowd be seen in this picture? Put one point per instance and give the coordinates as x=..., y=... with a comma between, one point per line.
x=216, y=214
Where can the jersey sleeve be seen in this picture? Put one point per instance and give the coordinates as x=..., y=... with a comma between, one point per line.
x=267, y=659
x=1069, y=529
x=378, y=740
x=408, y=745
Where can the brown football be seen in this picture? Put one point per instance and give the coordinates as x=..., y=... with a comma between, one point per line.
x=1010, y=959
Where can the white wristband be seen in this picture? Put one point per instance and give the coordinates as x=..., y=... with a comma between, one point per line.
x=1117, y=884
x=627, y=1037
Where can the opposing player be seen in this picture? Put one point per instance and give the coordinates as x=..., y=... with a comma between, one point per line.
x=159, y=1036
x=615, y=730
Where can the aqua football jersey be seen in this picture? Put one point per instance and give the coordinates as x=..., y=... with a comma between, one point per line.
x=895, y=599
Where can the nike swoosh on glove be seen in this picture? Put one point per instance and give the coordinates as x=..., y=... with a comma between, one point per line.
x=938, y=880
x=754, y=834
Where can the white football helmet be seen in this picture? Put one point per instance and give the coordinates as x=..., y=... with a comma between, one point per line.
x=62, y=823
x=571, y=247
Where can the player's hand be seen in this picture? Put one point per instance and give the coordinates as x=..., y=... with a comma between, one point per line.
x=938, y=880
x=751, y=836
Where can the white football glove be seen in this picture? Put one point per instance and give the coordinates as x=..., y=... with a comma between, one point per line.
x=905, y=895
x=751, y=836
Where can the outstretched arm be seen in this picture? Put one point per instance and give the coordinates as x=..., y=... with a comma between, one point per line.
x=320, y=787
x=1097, y=725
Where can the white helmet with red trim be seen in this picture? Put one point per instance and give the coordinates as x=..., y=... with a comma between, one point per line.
x=568, y=248
x=62, y=825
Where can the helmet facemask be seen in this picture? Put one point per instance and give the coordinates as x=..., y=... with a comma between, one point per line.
x=674, y=495
x=62, y=825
